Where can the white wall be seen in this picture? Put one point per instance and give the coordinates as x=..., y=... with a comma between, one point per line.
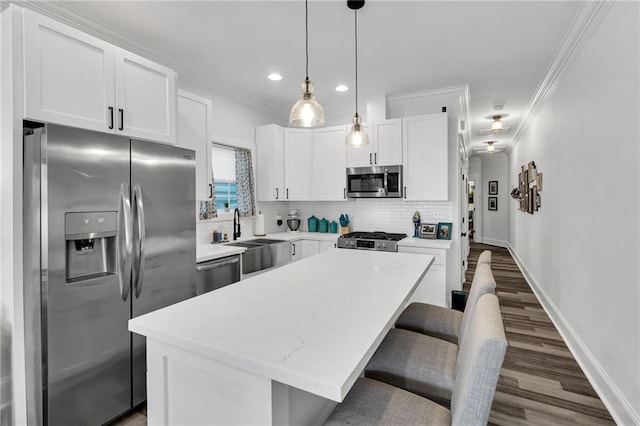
x=495, y=223
x=581, y=250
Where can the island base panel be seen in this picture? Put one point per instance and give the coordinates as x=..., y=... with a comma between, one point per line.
x=188, y=389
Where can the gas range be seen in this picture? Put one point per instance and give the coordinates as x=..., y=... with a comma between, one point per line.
x=378, y=241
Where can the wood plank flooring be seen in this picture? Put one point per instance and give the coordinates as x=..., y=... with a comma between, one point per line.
x=540, y=382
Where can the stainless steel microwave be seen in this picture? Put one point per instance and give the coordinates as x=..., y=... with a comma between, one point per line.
x=374, y=182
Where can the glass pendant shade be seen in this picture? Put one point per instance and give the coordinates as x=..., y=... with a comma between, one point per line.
x=307, y=112
x=357, y=136
x=491, y=148
x=496, y=124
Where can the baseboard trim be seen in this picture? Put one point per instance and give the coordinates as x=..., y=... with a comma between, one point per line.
x=621, y=410
x=494, y=242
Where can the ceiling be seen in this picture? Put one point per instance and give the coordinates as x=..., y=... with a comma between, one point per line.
x=501, y=49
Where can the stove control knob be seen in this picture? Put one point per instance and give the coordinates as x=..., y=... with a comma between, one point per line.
x=384, y=245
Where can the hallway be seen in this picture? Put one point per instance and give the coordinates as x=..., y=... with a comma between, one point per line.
x=540, y=382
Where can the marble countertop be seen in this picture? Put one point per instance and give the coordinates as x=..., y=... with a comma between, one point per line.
x=312, y=324
x=209, y=251
x=425, y=243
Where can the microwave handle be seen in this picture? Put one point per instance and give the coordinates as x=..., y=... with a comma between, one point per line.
x=386, y=178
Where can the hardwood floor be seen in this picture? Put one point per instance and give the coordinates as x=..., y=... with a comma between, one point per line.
x=540, y=382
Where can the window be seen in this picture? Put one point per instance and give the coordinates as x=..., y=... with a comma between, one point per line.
x=232, y=180
x=224, y=176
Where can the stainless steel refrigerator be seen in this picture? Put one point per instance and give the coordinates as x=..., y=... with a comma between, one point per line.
x=109, y=235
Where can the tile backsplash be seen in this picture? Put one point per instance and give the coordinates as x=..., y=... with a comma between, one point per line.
x=389, y=215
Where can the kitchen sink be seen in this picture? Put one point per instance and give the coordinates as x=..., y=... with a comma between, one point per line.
x=263, y=253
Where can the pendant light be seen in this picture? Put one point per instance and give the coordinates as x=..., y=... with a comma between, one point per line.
x=307, y=112
x=357, y=136
x=496, y=124
x=491, y=148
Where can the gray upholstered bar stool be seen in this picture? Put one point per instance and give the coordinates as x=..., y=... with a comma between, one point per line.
x=422, y=364
x=485, y=257
x=444, y=323
x=480, y=359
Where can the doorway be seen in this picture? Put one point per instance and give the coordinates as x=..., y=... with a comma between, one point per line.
x=471, y=187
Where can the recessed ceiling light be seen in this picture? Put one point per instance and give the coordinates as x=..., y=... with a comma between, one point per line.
x=341, y=88
x=274, y=76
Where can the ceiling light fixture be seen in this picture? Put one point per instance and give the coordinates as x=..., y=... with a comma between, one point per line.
x=496, y=124
x=491, y=148
x=274, y=76
x=357, y=137
x=307, y=112
x=341, y=88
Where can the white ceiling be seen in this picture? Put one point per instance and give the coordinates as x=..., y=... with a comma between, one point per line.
x=501, y=49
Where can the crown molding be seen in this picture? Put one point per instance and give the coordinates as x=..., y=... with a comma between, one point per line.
x=429, y=96
x=67, y=15
x=583, y=25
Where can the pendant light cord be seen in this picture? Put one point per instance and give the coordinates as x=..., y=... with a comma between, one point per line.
x=356, y=37
x=306, y=39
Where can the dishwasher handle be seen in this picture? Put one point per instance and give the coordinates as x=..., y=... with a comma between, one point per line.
x=215, y=264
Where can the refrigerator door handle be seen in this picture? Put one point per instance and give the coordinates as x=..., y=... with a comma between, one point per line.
x=125, y=241
x=138, y=272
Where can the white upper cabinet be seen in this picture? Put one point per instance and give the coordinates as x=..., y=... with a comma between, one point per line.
x=69, y=75
x=385, y=145
x=297, y=164
x=425, y=152
x=270, y=163
x=329, y=164
x=145, y=98
x=195, y=123
x=75, y=79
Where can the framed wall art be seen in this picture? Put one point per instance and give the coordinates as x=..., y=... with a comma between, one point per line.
x=493, y=203
x=493, y=187
x=444, y=230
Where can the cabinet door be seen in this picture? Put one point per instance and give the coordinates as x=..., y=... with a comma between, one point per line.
x=310, y=247
x=425, y=157
x=297, y=164
x=270, y=163
x=145, y=98
x=329, y=164
x=387, y=136
x=296, y=251
x=69, y=75
x=363, y=155
x=194, y=132
x=327, y=245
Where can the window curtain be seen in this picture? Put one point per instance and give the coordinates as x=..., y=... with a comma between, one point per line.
x=208, y=208
x=244, y=182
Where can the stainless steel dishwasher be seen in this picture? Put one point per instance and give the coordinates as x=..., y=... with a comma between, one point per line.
x=217, y=273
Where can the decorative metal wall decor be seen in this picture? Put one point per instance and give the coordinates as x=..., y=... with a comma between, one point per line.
x=529, y=187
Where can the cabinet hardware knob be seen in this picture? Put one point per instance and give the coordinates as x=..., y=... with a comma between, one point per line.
x=287, y=193
x=464, y=234
x=277, y=194
x=405, y=192
x=210, y=190
x=370, y=159
x=375, y=158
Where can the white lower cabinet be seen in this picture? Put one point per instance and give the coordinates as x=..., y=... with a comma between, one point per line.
x=433, y=287
x=195, y=123
x=302, y=249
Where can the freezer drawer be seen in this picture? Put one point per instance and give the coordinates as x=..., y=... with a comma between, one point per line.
x=217, y=273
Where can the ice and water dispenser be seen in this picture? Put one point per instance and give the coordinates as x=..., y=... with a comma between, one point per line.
x=91, y=246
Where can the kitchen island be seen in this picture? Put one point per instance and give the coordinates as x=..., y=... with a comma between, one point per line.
x=279, y=348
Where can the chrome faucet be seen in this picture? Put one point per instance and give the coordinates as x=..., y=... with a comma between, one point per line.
x=236, y=222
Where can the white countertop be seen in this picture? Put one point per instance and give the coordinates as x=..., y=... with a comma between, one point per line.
x=312, y=324
x=210, y=251
x=425, y=243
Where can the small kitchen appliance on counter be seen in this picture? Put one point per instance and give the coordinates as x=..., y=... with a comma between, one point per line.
x=293, y=221
x=378, y=241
